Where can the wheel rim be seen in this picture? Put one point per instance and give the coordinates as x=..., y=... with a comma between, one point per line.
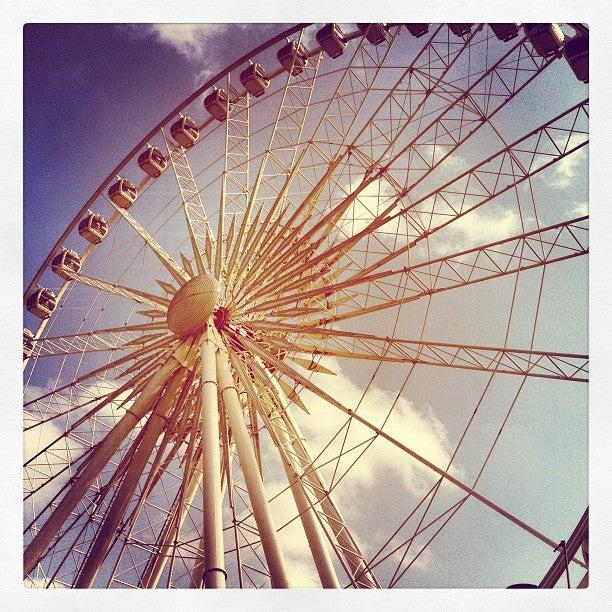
x=329, y=215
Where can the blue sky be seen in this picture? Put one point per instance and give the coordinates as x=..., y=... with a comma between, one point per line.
x=91, y=91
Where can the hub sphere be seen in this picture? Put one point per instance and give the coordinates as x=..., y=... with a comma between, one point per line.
x=192, y=305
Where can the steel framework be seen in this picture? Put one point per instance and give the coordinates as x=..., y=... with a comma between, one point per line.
x=335, y=196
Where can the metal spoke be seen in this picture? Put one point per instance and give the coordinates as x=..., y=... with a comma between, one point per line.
x=279, y=364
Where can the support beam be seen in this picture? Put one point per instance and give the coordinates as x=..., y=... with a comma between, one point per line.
x=177, y=273
x=214, y=561
x=357, y=345
x=361, y=575
x=140, y=297
x=195, y=215
x=248, y=462
x=98, y=459
x=312, y=528
x=198, y=568
x=579, y=535
x=152, y=575
x=282, y=440
x=107, y=533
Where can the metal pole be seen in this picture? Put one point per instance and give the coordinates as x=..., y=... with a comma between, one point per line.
x=151, y=576
x=312, y=528
x=214, y=562
x=350, y=551
x=562, y=545
x=99, y=458
x=573, y=543
x=107, y=533
x=252, y=477
x=198, y=568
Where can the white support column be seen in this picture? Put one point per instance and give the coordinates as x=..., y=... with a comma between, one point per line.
x=198, y=569
x=252, y=477
x=350, y=551
x=107, y=533
x=153, y=574
x=99, y=458
x=214, y=574
x=312, y=528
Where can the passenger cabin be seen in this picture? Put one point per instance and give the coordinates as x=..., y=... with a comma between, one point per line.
x=460, y=29
x=576, y=52
x=185, y=132
x=217, y=103
x=93, y=228
x=42, y=302
x=546, y=38
x=505, y=31
x=332, y=41
x=292, y=57
x=375, y=33
x=418, y=29
x=152, y=161
x=122, y=193
x=255, y=80
x=28, y=343
x=66, y=264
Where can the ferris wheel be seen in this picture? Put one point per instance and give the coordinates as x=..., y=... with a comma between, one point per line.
x=292, y=338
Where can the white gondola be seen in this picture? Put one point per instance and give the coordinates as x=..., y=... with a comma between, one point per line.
x=460, y=29
x=42, y=302
x=28, y=343
x=122, y=193
x=217, y=103
x=576, y=52
x=375, y=33
x=255, y=80
x=505, y=31
x=418, y=29
x=332, y=41
x=185, y=132
x=292, y=57
x=66, y=264
x=546, y=38
x=152, y=161
x=93, y=228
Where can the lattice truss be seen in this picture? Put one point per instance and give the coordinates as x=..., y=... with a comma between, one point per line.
x=327, y=212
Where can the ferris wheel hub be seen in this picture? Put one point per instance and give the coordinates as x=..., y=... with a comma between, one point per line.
x=193, y=304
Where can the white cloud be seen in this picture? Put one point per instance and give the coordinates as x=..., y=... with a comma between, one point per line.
x=198, y=42
x=478, y=227
x=378, y=195
x=434, y=154
x=189, y=39
x=372, y=200
x=567, y=168
x=416, y=427
x=423, y=562
x=382, y=465
x=37, y=438
x=581, y=210
x=292, y=539
x=66, y=449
